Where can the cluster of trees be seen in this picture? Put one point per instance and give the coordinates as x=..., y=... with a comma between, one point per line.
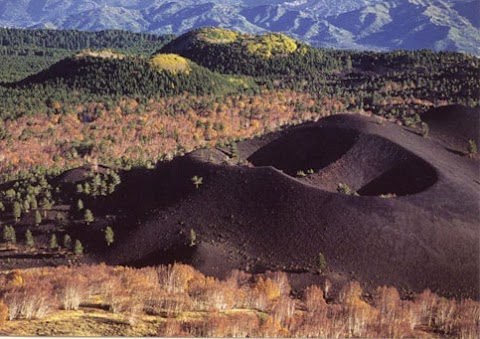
x=96, y=79
x=25, y=201
x=265, y=305
x=135, y=133
x=76, y=247
x=9, y=237
x=18, y=63
x=98, y=184
x=32, y=193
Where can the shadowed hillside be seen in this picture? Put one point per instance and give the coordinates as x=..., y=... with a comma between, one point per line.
x=455, y=125
x=412, y=226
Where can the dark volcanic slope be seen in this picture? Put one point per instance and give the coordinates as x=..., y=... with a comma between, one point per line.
x=454, y=125
x=264, y=218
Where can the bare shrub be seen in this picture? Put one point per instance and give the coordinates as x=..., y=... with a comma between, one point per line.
x=270, y=327
x=357, y=312
x=175, y=278
x=214, y=295
x=114, y=295
x=71, y=291
x=29, y=302
x=284, y=310
x=168, y=305
x=261, y=294
x=281, y=280
x=466, y=320
x=239, y=278
x=444, y=314
x=386, y=301
x=170, y=328
x=3, y=314
x=243, y=325
x=98, y=277
x=394, y=315
x=313, y=298
x=327, y=322
x=426, y=302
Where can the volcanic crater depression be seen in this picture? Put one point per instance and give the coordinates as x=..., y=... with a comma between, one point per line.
x=325, y=156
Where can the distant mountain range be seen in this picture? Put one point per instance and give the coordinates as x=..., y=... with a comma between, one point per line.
x=357, y=24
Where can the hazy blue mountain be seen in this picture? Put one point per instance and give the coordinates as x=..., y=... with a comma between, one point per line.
x=360, y=24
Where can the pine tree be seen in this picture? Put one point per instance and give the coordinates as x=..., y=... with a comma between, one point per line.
x=13, y=236
x=26, y=206
x=45, y=204
x=424, y=129
x=193, y=238
x=17, y=210
x=109, y=235
x=67, y=242
x=61, y=220
x=472, y=148
x=88, y=217
x=79, y=205
x=53, y=242
x=9, y=235
x=78, y=249
x=6, y=233
x=197, y=181
x=29, y=240
x=79, y=188
x=38, y=218
x=322, y=263
x=86, y=188
x=33, y=203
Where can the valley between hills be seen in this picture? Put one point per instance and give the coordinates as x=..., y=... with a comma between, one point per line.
x=220, y=183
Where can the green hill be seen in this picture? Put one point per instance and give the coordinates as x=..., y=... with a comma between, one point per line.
x=110, y=73
x=268, y=54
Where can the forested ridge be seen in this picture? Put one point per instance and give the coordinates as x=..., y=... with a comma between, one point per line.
x=77, y=40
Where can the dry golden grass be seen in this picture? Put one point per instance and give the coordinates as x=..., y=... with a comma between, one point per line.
x=86, y=321
x=94, y=321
